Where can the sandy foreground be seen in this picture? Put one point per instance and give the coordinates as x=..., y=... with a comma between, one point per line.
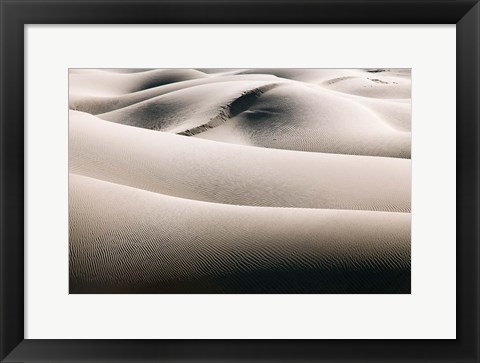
x=239, y=180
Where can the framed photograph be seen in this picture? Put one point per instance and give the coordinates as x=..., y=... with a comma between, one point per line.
x=178, y=185
x=240, y=181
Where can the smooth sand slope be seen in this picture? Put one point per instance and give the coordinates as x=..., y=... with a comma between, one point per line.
x=239, y=181
x=129, y=240
x=235, y=174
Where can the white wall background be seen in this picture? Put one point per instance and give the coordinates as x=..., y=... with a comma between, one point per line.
x=429, y=312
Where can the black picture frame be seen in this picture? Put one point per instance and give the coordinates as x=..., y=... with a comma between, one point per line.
x=15, y=14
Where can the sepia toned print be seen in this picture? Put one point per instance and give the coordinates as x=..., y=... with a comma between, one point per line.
x=249, y=181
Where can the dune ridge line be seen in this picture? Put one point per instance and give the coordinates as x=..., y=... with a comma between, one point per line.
x=230, y=110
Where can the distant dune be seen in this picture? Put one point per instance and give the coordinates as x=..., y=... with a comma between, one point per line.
x=240, y=181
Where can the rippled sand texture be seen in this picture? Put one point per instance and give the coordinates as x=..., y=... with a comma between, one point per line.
x=239, y=180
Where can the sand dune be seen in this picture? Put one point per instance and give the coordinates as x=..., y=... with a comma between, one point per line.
x=83, y=100
x=299, y=117
x=274, y=110
x=239, y=180
x=377, y=83
x=183, y=109
x=129, y=240
x=103, y=83
x=235, y=174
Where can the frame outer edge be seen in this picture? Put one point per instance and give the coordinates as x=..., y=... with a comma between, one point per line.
x=12, y=177
x=468, y=180
x=11, y=300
